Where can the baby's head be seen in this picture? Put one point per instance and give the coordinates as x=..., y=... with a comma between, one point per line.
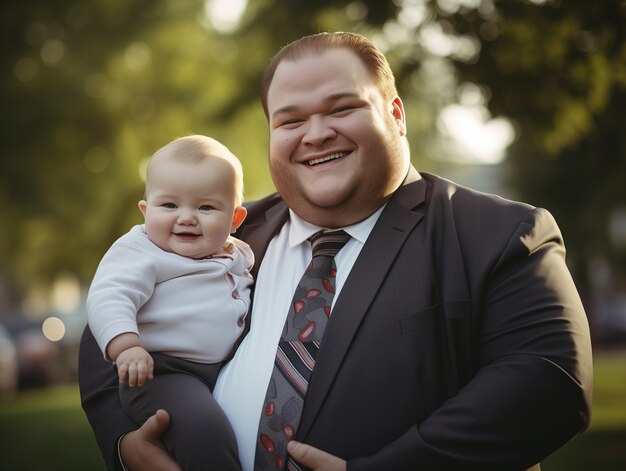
x=194, y=192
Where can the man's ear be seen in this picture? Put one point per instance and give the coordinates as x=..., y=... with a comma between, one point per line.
x=397, y=111
x=238, y=217
x=142, y=207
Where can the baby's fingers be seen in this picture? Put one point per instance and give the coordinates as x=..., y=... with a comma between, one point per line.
x=132, y=374
x=122, y=372
x=142, y=373
x=150, y=368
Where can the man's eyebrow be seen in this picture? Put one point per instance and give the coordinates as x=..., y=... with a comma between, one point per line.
x=284, y=109
x=328, y=99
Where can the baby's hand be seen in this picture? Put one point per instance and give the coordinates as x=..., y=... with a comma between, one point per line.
x=136, y=365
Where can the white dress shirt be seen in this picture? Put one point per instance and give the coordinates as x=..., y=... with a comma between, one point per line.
x=242, y=384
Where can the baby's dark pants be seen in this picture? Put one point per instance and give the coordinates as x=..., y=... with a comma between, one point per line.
x=199, y=437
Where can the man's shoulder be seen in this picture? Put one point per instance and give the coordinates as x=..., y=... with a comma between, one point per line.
x=269, y=209
x=257, y=208
x=475, y=216
x=461, y=198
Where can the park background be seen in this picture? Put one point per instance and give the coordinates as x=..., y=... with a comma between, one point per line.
x=524, y=98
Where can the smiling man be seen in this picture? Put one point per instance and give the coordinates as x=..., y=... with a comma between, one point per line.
x=455, y=338
x=337, y=145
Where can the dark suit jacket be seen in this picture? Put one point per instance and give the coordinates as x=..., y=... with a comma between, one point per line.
x=457, y=342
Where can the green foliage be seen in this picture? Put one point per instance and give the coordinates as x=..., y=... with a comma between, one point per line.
x=557, y=69
x=94, y=88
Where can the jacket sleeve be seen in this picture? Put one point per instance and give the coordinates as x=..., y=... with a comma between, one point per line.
x=531, y=392
x=123, y=282
x=99, y=394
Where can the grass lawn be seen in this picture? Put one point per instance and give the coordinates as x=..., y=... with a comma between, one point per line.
x=46, y=430
x=603, y=445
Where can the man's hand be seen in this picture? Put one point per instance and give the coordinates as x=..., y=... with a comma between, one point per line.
x=136, y=364
x=315, y=458
x=142, y=449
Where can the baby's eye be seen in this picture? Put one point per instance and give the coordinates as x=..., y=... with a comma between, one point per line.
x=206, y=207
x=341, y=109
x=169, y=205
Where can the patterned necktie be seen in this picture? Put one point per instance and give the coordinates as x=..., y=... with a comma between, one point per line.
x=296, y=352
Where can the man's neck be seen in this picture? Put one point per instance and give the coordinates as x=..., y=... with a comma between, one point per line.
x=411, y=176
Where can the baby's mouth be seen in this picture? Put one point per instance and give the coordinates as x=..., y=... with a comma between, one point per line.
x=186, y=235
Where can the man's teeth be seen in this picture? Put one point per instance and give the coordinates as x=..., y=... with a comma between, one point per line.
x=326, y=158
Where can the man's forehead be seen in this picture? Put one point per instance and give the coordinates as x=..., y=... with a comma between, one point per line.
x=306, y=58
x=337, y=66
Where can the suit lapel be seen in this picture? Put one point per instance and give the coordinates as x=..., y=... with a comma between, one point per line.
x=388, y=236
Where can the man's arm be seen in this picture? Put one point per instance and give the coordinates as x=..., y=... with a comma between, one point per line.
x=99, y=386
x=142, y=449
x=532, y=391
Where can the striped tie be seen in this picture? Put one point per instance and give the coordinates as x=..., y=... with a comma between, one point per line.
x=295, y=356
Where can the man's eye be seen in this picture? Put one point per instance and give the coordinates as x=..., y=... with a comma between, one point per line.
x=206, y=207
x=291, y=123
x=169, y=205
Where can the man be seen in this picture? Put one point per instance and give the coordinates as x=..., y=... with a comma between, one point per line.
x=457, y=339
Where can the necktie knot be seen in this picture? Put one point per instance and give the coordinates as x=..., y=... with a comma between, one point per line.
x=328, y=243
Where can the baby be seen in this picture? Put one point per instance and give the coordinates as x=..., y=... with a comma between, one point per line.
x=170, y=297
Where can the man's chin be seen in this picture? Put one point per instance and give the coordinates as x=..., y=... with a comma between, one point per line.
x=330, y=213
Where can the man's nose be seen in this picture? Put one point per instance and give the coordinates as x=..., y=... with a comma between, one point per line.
x=318, y=130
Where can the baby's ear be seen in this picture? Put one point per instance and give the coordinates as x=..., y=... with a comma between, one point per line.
x=142, y=207
x=238, y=217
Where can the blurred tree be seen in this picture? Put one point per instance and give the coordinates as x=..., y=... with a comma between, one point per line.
x=558, y=69
x=92, y=89
x=51, y=119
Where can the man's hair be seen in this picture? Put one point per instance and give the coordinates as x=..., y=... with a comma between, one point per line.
x=372, y=58
x=194, y=149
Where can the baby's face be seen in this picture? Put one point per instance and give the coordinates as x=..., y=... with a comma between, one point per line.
x=190, y=206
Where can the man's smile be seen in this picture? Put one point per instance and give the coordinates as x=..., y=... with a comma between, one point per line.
x=326, y=158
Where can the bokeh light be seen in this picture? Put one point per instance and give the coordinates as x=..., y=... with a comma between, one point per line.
x=53, y=328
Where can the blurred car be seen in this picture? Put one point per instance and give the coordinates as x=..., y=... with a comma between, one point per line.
x=35, y=353
x=610, y=320
x=8, y=364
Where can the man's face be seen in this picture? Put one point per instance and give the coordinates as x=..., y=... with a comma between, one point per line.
x=190, y=207
x=336, y=149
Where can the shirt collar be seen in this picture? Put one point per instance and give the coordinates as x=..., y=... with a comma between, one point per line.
x=300, y=230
